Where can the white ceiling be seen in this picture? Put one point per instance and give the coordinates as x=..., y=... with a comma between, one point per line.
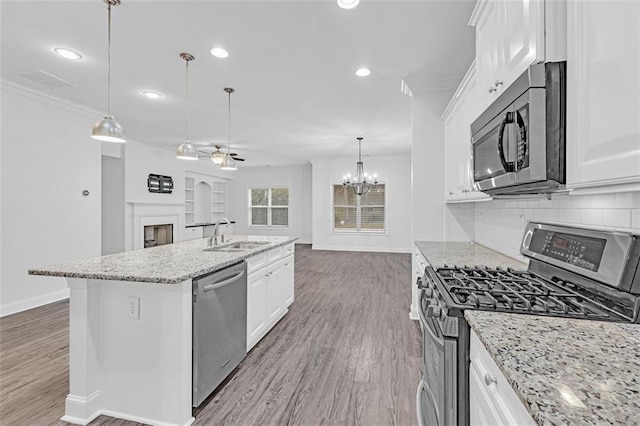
x=292, y=64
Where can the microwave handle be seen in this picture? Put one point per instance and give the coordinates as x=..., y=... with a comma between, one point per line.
x=508, y=119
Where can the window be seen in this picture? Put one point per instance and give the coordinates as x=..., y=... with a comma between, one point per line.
x=269, y=207
x=361, y=214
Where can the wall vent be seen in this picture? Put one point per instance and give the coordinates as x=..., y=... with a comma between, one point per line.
x=46, y=79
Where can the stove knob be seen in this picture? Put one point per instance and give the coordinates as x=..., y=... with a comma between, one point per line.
x=428, y=292
x=434, y=311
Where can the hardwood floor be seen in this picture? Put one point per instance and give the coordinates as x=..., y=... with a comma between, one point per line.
x=345, y=354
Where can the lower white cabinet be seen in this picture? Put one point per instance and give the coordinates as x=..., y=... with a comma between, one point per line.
x=288, y=279
x=492, y=400
x=270, y=285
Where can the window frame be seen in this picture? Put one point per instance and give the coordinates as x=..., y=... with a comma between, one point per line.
x=268, y=207
x=358, y=230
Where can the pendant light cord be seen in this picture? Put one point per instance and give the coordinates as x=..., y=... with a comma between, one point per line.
x=229, y=124
x=187, y=100
x=360, y=150
x=109, y=59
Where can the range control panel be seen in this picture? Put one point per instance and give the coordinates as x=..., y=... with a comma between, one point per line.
x=578, y=250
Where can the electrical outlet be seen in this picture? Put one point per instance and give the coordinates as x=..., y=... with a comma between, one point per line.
x=133, y=309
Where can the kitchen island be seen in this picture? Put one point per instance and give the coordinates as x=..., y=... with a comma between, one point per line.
x=130, y=328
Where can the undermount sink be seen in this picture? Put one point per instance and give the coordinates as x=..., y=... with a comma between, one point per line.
x=237, y=246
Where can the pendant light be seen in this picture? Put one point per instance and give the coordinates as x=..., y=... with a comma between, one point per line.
x=108, y=129
x=186, y=151
x=228, y=163
x=361, y=183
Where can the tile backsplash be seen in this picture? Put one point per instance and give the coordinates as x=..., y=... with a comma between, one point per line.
x=499, y=224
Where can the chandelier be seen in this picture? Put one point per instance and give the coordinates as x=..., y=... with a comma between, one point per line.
x=361, y=182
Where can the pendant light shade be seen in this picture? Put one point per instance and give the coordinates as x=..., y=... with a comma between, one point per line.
x=228, y=163
x=217, y=156
x=108, y=129
x=186, y=151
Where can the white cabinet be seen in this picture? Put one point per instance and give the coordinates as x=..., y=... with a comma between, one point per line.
x=510, y=36
x=457, y=119
x=492, y=400
x=275, y=305
x=270, y=285
x=256, y=307
x=603, y=93
x=288, y=280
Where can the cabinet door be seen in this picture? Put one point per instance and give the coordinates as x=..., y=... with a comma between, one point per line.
x=489, y=53
x=523, y=37
x=481, y=409
x=603, y=101
x=256, y=306
x=275, y=304
x=288, y=280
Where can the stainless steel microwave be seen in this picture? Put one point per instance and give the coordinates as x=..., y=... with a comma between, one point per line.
x=519, y=141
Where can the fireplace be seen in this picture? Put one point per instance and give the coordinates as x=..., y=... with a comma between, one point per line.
x=158, y=235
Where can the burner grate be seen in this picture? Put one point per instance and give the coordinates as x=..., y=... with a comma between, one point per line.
x=508, y=290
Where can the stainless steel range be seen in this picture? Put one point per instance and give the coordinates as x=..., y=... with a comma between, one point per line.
x=572, y=273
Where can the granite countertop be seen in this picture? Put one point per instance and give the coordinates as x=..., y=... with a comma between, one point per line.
x=167, y=264
x=440, y=253
x=566, y=371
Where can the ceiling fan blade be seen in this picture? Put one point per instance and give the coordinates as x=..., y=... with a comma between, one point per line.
x=238, y=158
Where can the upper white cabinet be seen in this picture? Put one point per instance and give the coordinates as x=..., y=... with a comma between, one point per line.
x=603, y=93
x=457, y=120
x=510, y=36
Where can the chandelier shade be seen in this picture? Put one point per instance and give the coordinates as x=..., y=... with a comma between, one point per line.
x=186, y=150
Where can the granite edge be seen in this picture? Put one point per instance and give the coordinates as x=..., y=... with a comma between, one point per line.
x=177, y=280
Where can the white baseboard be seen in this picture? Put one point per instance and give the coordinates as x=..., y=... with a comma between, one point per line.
x=34, y=302
x=364, y=249
x=300, y=241
x=144, y=420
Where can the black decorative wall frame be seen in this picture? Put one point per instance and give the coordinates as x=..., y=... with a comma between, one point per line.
x=160, y=184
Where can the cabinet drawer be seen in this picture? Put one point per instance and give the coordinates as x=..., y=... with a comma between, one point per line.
x=421, y=262
x=255, y=263
x=288, y=250
x=274, y=255
x=508, y=406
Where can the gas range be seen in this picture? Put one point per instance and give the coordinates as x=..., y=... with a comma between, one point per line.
x=572, y=273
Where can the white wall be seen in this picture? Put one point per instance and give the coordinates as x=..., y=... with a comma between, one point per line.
x=427, y=151
x=48, y=159
x=395, y=172
x=500, y=224
x=113, y=202
x=296, y=178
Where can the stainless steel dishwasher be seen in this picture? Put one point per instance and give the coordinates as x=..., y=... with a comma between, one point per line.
x=219, y=327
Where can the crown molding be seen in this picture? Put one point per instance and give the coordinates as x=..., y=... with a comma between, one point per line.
x=45, y=98
x=445, y=84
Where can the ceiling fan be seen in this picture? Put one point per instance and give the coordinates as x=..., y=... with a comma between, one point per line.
x=220, y=154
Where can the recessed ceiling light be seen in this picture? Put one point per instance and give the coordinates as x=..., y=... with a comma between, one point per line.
x=151, y=94
x=348, y=4
x=219, y=52
x=67, y=53
x=363, y=72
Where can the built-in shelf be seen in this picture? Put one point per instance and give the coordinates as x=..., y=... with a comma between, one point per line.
x=205, y=199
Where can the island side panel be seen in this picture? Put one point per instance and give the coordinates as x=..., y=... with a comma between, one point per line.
x=143, y=366
x=83, y=402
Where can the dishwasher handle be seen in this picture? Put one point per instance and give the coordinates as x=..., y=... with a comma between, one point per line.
x=223, y=283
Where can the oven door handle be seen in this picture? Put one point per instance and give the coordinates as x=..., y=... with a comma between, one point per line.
x=506, y=165
x=422, y=386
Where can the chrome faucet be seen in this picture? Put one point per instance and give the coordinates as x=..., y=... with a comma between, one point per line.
x=213, y=240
